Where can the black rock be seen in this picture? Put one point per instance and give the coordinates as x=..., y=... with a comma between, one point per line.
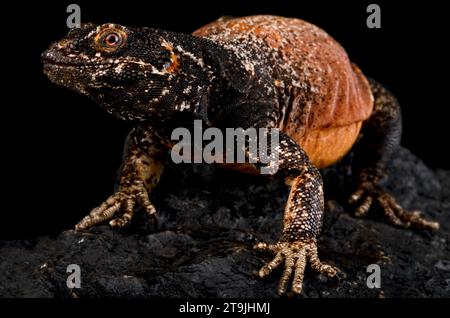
x=208, y=221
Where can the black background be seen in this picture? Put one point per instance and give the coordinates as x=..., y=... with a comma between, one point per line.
x=61, y=151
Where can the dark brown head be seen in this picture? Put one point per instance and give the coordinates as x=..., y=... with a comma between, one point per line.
x=133, y=73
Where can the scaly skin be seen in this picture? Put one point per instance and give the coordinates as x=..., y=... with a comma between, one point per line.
x=380, y=138
x=260, y=71
x=140, y=173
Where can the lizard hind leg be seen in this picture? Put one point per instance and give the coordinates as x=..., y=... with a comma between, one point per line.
x=380, y=139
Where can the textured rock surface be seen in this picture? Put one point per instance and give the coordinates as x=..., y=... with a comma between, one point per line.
x=208, y=220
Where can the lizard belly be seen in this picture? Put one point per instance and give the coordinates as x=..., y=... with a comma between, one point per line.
x=323, y=146
x=326, y=146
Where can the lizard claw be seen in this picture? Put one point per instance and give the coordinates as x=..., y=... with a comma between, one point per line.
x=295, y=255
x=126, y=199
x=370, y=192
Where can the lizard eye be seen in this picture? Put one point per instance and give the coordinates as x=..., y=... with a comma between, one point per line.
x=110, y=40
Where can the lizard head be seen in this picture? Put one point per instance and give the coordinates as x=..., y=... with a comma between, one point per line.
x=131, y=72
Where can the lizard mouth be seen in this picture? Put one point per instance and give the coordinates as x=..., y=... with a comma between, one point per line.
x=50, y=59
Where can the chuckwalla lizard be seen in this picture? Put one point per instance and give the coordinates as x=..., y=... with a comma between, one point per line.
x=258, y=71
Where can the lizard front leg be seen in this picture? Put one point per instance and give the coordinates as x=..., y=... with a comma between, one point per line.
x=142, y=166
x=302, y=219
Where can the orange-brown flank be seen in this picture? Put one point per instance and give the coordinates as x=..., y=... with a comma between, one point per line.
x=329, y=96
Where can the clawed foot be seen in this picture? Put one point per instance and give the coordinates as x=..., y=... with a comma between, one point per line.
x=369, y=192
x=126, y=199
x=295, y=256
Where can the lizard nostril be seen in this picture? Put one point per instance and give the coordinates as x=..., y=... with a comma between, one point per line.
x=45, y=55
